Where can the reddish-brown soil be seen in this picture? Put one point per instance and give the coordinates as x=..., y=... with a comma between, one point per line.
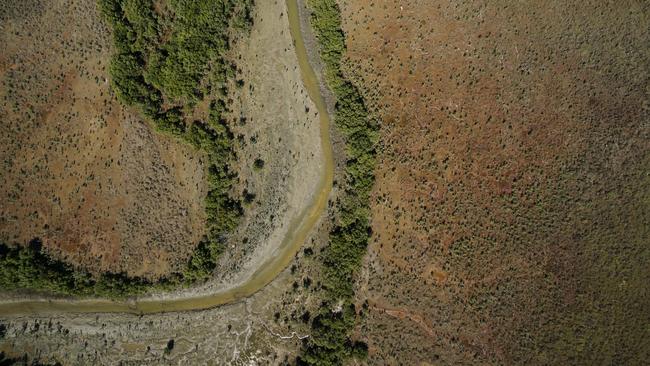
x=511, y=213
x=80, y=172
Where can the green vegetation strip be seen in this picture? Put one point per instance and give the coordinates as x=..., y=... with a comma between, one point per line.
x=330, y=343
x=167, y=59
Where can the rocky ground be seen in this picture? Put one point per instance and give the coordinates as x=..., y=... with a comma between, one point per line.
x=245, y=333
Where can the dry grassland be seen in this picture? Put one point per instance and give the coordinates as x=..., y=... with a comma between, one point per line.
x=511, y=209
x=81, y=172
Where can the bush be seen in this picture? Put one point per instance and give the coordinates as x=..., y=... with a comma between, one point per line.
x=163, y=77
x=330, y=343
x=29, y=267
x=258, y=164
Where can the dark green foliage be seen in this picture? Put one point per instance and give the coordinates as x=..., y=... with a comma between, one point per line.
x=170, y=346
x=150, y=68
x=140, y=16
x=258, y=164
x=22, y=361
x=163, y=63
x=216, y=140
x=177, y=57
x=203, y=261
x=178, y=68
x=249, y=197
x=330, y=343
x=28, y=267
x=170, y=121
x=349, y=238
x=198, y=34
x=126, y=74
x=112, y=11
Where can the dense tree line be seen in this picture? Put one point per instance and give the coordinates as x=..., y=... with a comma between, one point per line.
x=29, y=268
x=165, y=61
x=330, y=342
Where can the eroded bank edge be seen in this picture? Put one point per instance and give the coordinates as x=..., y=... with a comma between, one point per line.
x=331, y=343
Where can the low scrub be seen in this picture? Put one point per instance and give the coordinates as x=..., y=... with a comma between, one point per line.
x=165, y=60
x=330, y=342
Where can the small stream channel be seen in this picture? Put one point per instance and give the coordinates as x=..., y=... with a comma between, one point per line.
x=297, y=233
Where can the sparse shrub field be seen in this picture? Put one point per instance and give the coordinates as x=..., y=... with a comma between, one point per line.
x=168, y=62
x=510, y=212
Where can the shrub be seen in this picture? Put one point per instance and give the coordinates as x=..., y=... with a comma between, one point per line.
x=258, y=164
x=330, y=343
x=162, y=78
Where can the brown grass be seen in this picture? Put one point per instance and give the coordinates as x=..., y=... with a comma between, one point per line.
x=79, y=171
x=511, y=206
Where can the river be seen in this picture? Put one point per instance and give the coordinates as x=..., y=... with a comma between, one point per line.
x=297, y=233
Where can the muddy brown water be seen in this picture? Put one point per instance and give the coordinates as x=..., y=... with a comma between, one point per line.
x=297, y=233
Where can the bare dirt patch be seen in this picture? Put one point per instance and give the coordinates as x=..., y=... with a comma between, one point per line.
x=277, y=124
x=86, y=176
x=511, y=205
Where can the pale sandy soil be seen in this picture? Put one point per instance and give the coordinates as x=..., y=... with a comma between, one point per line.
x=281, y=128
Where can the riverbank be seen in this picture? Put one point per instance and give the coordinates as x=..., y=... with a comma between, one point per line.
x=332, y=341
x=274, y=244
x=238, y=333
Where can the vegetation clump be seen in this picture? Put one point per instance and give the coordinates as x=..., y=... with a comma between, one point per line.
x=168, y=57
x=29, y=267
x=330, y=343
x=258, y=164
